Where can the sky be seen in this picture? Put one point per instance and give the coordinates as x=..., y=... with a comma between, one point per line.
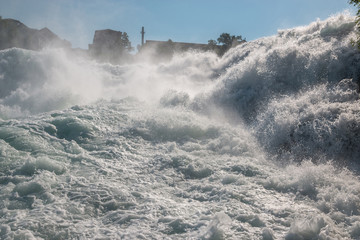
x=179, y=20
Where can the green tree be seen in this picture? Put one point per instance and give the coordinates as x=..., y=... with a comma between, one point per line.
x=212, y=43
x=226, y=42
x=356, y=3
x=125, y=43
x=229, y=41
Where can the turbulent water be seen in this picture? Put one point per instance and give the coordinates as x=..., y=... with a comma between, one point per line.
x=262, y=143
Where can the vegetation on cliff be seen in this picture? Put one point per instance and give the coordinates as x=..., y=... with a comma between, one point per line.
x=356, y=3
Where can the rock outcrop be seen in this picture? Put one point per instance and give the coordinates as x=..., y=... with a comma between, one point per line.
x=13, y=33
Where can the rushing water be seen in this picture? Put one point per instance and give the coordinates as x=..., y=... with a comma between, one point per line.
x=262, y=143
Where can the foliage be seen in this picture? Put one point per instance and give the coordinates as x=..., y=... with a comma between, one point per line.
x=225, y=41
x=125, y=43
x=356, y=3
x=212, y=43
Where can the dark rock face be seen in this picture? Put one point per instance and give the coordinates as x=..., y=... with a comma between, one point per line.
x=13, y=33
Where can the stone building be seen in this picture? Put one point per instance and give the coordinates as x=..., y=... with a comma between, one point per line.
x=164, y=50
x=109, y=45
x=176, y=46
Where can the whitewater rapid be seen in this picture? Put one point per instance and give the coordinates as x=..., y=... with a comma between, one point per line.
x=259, y=144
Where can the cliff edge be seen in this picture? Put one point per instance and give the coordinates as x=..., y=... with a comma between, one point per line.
x=13, y=33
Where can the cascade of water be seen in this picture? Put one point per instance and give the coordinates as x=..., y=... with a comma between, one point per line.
x=185, y=148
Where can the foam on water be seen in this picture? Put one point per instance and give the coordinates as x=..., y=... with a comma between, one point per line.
x=260, y=144
x=295, y=59
x=322, y=122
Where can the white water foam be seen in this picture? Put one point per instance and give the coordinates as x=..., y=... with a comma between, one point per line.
x=98, y=151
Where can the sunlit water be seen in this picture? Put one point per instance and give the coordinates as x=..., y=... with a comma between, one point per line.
x=262, y=143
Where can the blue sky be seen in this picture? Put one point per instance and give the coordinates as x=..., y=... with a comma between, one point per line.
x=179, y=20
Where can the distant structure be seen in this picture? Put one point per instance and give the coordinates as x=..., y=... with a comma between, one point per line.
x=176, y=46
x=14, y=33
x=169, y=47
x=109, y=45
x=142, y=36
x=164, y=50
x=105, y=42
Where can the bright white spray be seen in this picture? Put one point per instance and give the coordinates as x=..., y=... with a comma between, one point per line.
x=133, y=152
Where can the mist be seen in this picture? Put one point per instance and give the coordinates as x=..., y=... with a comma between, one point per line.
x=260, y=143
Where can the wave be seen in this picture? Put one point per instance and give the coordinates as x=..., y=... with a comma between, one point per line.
x=256, y=72
x=254, y=145
x=289, y=88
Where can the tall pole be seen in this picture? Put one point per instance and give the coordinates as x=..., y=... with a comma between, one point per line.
x=142, y=35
